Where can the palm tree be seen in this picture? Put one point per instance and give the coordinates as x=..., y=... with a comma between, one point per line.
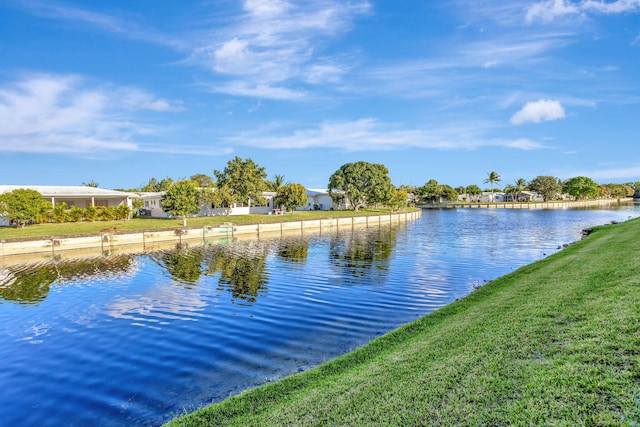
x=277, y=183
x=492, y=178
x=520, y=186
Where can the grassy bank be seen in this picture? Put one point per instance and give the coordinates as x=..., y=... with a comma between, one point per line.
x=138, y=224
x=555, y=343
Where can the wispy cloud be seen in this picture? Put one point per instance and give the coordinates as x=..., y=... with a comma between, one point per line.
x=58, y=10
x=273, y=47
x=548, y=10
x=369, y=134
x=539, y=111
x=45, y=113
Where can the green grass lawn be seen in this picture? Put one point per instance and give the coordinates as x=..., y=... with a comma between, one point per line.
x=556, y=342
x=137, y=224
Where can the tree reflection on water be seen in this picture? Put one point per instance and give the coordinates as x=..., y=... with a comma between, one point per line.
x=241, y=267
x=31, y=284
x=184, y=265
x=293, y=250
x=360, y=253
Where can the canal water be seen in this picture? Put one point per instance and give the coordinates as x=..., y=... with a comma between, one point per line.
x=136, y=340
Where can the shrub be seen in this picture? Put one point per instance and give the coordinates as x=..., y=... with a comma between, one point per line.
x=90, y=213
x=106, y=213
x=75, y=214
x=122, y=212
x=60, y=212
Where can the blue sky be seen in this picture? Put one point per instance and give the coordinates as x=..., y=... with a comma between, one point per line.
x=118, y=92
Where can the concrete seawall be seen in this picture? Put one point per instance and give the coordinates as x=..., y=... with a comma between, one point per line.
x=142, y=241
x=531, y=205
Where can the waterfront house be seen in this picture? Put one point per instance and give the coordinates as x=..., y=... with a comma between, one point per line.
x=320, y=200
x=80, y=196
x=492, y=197
x=152, y=206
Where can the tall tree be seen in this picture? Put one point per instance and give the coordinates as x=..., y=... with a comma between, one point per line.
x=399, y=200
x=181, y=199
x=581, y=187
x=474, y=192
x=154, y=186
x=362, y=183
x=636, y=188
x=245, y=180
x=277, y=183
x=429, y=191
x=520, y=186
x=549, y=187
x=91, y=183
x=492, y=178
x=220, y=197
x=22, y=206
x=291, y=196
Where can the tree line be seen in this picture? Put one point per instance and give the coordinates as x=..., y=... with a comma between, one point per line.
x=548, y=187
x=355, y=185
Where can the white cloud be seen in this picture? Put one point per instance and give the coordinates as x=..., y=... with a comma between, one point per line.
x=46, y=113
x=372, y=135
x=274, y=46
x=94, y=20
x=526, y=144
x=244, y=88
x=539, y=111
x=266, y=8
x=549, y=10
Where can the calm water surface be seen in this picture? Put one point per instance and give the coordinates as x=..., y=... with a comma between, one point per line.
x=136, y=340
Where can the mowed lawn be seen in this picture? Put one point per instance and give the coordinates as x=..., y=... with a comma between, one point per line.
x=556, y=342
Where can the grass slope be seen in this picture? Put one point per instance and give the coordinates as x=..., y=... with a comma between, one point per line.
x=556, y=342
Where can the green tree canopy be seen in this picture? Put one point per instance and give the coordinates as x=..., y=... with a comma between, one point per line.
x=222, y=197
x=617, y=190
x=636, y=188
x=362, y=183
x=549, y=187
x=154, y=186
x=429, y=191
x=182, y=199
x=291, y=196
x=203, y=181
x=399, y=200
x=581, y=187
x=245, y=180
x=22, y=206
x=474, y=192
x=433, y=192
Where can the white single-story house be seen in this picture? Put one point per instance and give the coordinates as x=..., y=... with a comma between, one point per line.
x=152, y=206
x=525, y=196
x=319, y=200
x=492, y=197
x=80, y=196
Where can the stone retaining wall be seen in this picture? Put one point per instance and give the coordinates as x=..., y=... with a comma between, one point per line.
x=150, y=240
